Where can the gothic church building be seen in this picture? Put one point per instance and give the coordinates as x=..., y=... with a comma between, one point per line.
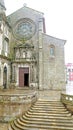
x=28, y=56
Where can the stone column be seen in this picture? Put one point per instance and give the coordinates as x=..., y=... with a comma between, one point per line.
x=40, y=54
x=8, y=75
x=0, y=43
x=13, y=73
x=17, y=75
x=32, y=73
x=2, y=74
x=35, y=76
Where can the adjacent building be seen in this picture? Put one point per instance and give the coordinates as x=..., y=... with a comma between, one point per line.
x=69, y=72
x=28, y=56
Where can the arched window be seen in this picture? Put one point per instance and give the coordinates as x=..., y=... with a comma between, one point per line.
x=24, y=54
x=6, y=43
x=52, y=50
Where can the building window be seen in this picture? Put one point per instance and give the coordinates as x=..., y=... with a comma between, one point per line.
x=28, y=54
x=52, y=50
x=6, y=42
x=5, y=46
x=69, y=70
x=24, y=55
x=6, y=31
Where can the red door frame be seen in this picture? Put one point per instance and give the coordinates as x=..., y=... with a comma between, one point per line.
x=22, y=71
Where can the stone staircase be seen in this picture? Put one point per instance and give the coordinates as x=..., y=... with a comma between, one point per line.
x=44, y=115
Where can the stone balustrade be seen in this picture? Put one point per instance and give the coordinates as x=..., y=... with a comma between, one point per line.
x=67, y=100
x=18, y=98
x=13, y=105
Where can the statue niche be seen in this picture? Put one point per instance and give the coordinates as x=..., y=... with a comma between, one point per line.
x=24, y=51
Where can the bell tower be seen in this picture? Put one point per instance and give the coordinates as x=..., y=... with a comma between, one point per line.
x=2, y=18
x=2, y=5
x=2, y=10
x=2, y=23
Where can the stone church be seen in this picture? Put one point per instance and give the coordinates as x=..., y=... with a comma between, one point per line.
x=28, y=56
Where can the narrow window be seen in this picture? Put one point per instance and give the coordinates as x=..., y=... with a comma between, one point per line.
x=52, y=51
x=69, y=70
x=6, y=41
x=24, y=54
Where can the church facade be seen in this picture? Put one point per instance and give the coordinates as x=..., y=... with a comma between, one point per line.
x=28, y=56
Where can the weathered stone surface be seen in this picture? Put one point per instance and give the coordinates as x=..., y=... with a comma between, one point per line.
x=42, y=54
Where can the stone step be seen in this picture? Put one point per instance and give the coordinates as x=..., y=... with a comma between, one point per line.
x=46, y=119
x=48, y=111
x=44, y=100
x=44, y=115
x=68, y=117
x=47, y=114
x=45, y=123
x=17, y=126
x=13, y=127
x=48, y=105
x=49, y=102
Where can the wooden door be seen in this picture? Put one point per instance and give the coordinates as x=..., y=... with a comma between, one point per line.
x=23, y=76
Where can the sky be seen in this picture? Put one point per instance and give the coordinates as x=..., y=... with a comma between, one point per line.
x=58, y=18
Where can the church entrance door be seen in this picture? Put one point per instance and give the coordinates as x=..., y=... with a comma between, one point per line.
x=24, y=77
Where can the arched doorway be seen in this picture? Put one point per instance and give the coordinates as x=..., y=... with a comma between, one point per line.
x=5, y=77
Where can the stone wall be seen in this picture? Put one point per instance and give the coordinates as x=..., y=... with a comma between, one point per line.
x=53, y=65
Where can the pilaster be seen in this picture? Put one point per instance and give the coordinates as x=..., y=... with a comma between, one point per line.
x=40, y=54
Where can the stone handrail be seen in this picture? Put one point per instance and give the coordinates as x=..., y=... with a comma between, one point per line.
x=18, y=98
x=11, y=101
x=67, y=99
